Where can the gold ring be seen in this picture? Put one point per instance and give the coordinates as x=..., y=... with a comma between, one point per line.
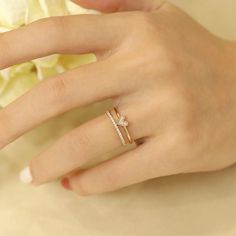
x=124, y=124
x=119, y=123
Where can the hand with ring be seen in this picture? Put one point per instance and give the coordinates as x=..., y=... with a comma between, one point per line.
x=172, y=84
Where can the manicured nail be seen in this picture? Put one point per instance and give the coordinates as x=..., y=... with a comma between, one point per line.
x=66, y=184
x=26, y=176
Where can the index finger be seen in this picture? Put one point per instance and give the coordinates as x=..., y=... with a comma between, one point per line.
x=63, y=35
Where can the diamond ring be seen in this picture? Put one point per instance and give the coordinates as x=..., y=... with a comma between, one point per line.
x=121, y=126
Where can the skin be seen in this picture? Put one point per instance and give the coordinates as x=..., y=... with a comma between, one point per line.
x=173, y=80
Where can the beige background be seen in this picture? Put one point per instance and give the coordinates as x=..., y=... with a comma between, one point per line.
x=188, y=205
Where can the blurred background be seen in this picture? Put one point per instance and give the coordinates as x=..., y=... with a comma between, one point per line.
x=184, y=205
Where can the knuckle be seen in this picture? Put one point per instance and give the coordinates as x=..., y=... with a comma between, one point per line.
x=57, y=89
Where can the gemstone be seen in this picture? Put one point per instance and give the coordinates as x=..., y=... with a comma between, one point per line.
x=122, y=122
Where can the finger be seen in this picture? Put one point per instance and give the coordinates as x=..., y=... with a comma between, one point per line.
x=75, y=88
x=120, y=5
x=81, y=147
x=119, y=172
x=65, y=34
x=143, y=163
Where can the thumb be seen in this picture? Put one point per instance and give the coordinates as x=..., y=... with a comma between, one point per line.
x=120, y=5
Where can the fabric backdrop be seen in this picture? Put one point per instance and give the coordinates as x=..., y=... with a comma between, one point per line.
x=184, y=205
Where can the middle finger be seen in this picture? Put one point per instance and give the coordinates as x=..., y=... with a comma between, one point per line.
x=79, y=87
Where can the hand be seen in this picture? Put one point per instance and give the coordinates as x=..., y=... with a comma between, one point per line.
x=171, y=78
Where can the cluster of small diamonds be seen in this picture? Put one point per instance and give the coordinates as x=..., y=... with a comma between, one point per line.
x=116, y=127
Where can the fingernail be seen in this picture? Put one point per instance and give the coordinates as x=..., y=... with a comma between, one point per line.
x=26, y=176
x=66, y=184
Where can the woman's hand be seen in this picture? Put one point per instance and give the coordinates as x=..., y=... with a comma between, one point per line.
x=172, y=79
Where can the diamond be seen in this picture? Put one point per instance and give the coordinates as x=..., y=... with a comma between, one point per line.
x=122, y=122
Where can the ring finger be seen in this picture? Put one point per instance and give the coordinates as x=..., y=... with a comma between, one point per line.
x=76, y=149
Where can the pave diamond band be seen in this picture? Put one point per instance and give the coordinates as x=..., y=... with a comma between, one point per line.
x=116, y=127
x=120, y=124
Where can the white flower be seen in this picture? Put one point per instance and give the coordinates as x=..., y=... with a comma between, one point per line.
x=16, y=80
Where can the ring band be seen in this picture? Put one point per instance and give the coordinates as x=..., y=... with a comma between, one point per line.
x=116, y=127
x=120, y=122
